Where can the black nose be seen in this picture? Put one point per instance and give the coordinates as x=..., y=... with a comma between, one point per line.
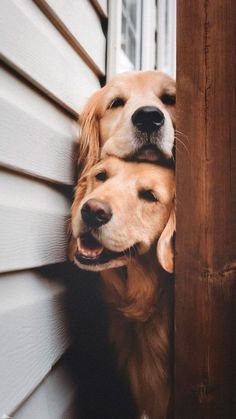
x=148, y=119
x=96, y=213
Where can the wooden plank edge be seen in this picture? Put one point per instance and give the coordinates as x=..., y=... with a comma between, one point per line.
x=99, y=9
x=65, y=32
x=39, y=87
x=16, y=165
x=57, y=241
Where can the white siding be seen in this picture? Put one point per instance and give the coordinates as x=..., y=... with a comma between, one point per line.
x=47, y=402
x=32, y=45
x=33, y=226
x=36, y=138
x=51, y=65
x=85, y=33
x=33, y=333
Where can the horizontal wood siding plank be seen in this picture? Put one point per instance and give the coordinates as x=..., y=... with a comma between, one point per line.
x=34, y=47
x=30, y=146
x=33, y=333
x=33, y=228
x=31, y=239
x=53, y=399
x=80, y=22
x=19, y=191
x=36, y=137
x=22, y=95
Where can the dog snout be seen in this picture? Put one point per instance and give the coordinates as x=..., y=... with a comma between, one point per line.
x=148, y=119
x=96, y=213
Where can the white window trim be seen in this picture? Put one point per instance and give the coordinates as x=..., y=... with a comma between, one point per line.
x=166, y=45
x=114, y=37
x=149, y=23
x=147, y=38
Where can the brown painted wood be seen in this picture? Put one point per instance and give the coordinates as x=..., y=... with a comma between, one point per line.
x=205, y=314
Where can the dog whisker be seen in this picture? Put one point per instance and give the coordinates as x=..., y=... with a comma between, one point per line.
x=184, y=147
x=182, y=143
x=182, y=134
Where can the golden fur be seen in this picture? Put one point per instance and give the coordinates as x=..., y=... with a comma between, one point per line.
x=109, y=131
x=139, y=296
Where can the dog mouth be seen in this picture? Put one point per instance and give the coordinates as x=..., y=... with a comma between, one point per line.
x=91, y=252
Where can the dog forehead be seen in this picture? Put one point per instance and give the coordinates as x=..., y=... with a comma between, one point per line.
x=144, y=174
x=153, y=176
x=142, y=80
x=134, y=176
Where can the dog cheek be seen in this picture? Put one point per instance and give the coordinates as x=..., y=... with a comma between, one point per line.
x=144, y=238
x=117, y=136
x=118, y=146
x=105, y=130
x=109, y=125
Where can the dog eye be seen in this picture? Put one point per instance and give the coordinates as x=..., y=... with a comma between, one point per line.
x=148, y=195
x=116, y=103
x=102, y=176
x=168, y=99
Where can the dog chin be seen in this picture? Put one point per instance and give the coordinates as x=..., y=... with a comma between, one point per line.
x=150, y=153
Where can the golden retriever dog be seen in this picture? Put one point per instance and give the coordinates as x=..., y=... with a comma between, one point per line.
x=123, y=220
x=132, y=117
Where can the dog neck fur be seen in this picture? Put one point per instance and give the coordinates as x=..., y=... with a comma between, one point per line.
x=140, y=304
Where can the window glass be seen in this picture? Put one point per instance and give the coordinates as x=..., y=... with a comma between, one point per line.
x=132, y=6
x=130, y=56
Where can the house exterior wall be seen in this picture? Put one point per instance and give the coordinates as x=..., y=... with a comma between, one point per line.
x=52, y=58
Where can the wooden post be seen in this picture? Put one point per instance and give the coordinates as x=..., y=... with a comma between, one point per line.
x=205, y=314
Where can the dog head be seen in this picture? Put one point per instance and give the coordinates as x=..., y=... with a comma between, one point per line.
x=127, y=208
x=132, y=117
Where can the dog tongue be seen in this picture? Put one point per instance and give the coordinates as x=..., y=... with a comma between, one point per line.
x=89, y=247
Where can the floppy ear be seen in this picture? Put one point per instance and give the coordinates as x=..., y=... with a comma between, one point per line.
x=89, y=141
x=72, y=246
x=80, y=191
x=165, y=245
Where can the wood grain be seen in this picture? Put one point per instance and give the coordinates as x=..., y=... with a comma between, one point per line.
x=206, y=207
x=49, y=62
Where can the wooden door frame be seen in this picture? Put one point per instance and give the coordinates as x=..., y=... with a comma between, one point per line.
x=205, y=295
